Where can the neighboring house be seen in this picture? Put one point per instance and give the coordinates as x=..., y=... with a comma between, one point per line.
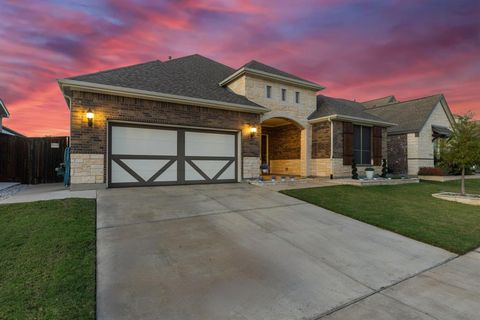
x=194, y=120
x=11, y=132
x=414, y=141
x=3, y=113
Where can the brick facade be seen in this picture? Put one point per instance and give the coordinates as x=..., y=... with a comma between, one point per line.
x=337, y=139
x=398, y=153
x=321, y=140
x=283, y=142
x=92, y=140
x=108, y=107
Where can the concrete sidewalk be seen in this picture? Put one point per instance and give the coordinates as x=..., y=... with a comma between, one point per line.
x=47, y=191
x=449, y=291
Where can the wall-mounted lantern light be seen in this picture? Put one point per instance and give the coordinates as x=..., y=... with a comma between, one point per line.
x=253, y=131
x=90, y=117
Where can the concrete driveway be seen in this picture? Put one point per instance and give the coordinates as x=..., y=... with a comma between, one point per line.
x=237, y=251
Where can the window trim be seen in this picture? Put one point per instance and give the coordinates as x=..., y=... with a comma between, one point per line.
x=297, y=96
x=268, y=91
x=362, y=150
x=284, y=94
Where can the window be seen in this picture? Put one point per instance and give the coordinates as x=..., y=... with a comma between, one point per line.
x=297, y=97
x=362, y=142
x=269, y=91
x=284, y=94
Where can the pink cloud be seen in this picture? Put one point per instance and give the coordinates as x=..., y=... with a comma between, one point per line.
x=357, y=52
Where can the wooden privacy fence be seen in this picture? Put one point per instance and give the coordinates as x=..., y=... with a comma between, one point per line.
x=31, y=160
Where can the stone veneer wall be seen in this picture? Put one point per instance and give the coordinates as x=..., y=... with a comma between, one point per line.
x=86, y=168
x=398, y=153
x=420, y=146
x=89, y=143
x=251, y=167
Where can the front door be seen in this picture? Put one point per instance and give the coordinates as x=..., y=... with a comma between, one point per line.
x=264, y=149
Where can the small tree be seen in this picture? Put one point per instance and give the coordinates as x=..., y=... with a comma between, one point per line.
x=354, y=170
x=462, y=148
x=384, y=168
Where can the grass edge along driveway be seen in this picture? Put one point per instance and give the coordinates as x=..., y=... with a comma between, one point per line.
x=47, y=265
x=408, y=209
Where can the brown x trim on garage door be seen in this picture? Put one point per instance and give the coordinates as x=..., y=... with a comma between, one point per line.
x=180, y=159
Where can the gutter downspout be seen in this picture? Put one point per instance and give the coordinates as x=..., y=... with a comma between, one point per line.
x=331, y=147
x=70, y=117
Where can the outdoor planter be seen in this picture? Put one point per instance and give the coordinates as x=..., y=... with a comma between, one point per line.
x=369, y=172
x=264, y=168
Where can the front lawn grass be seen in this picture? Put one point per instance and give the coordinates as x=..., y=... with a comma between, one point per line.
x=47, y=260
x=407, y=209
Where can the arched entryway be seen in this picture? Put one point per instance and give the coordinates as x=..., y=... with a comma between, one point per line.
x=281, y=147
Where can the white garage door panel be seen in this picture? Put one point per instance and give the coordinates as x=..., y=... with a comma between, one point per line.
x=119, y=175
x=168, y=175
x=209, y=144
x=148, y=155
x=146, y=168
x=211, y=167
x=229, y=173
x=142, y=141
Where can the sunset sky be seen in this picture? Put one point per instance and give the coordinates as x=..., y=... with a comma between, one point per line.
x=356, y=49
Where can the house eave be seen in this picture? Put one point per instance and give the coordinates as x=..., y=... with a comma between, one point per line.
x=149, y=95
x=2, y=105
x=339, y=117
x=270, y=76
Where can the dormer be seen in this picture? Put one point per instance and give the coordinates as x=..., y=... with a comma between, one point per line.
x=273, y=88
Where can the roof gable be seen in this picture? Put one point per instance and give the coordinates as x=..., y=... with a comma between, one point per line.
x=260, y=69
x=191, y=76
x=380, y=101
x=411, y=115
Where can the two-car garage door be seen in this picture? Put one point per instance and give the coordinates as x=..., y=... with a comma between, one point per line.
x=150, y=155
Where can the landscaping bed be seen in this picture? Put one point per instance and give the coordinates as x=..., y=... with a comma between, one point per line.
x=472, y=199
x=407, y=209
x=47, y=265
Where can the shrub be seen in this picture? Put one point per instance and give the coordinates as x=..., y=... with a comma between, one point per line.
x=430, y=171
x=369, y=169
x=354, y=170
x=384, y=168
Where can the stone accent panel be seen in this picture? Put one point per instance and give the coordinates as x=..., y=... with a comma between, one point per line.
x=87, y=168
x=321, y=167
x=321, y=140
x=341, y=171
x=251, y=167
x=287, y=167
x=398, y=153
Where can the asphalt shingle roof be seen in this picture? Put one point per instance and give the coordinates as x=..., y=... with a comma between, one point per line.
x=327, y=106
x=410, y=116
x=191, y=76
x=379, y=102
x=255, y=65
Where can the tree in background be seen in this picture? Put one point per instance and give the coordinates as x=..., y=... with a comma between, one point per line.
x=462, y=148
